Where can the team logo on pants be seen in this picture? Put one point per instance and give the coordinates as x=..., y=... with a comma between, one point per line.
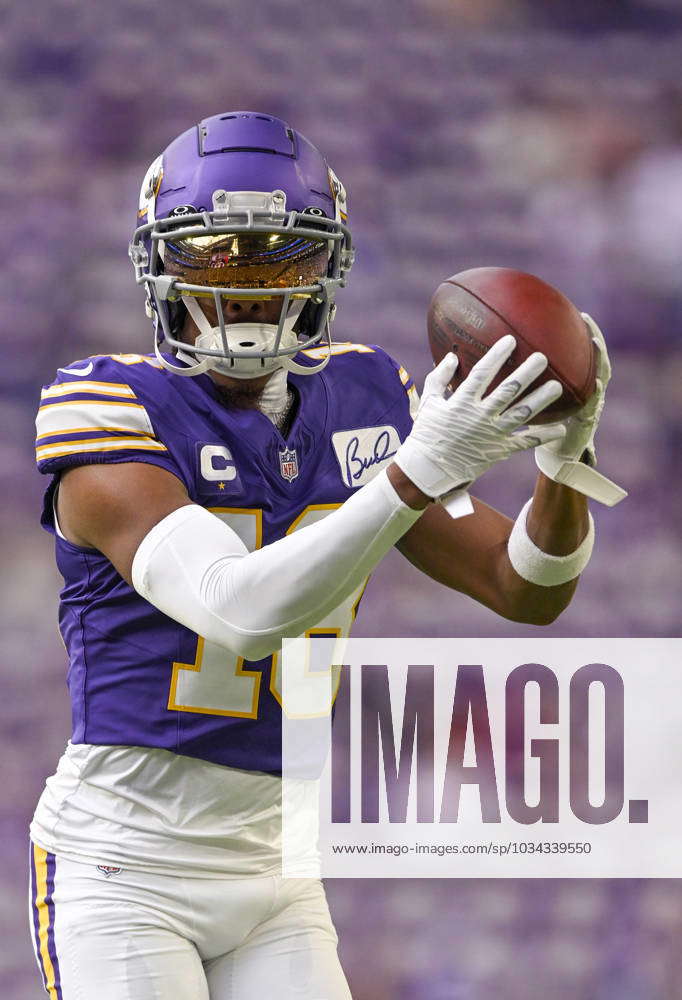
x=109, y=870
x=288, y=464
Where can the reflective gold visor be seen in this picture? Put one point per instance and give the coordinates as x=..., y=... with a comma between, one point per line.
x=247, y=260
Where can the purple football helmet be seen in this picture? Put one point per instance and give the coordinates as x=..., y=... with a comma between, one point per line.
x=241, y=207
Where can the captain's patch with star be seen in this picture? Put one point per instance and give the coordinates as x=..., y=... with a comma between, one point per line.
x=218, y=475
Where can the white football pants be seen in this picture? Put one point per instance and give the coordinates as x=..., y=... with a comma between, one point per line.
x=127, y=935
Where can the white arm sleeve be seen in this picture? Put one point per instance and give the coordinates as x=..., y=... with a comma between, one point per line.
x=195, y=569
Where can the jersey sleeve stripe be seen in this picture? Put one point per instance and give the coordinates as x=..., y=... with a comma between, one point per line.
x=408, y=385
x=134, y=359
x=56, y=418
x=96, y=388
x=337, y=347
x=413, y=397
x=124, y=359
x=60, y=448
x=62, y=435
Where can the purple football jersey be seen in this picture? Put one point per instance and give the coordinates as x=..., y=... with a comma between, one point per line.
x=135, y=676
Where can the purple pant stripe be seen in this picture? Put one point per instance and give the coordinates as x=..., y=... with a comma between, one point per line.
x=34, y=915
x=52, y=951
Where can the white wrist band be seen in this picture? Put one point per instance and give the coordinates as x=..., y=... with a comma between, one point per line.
x=540, y=567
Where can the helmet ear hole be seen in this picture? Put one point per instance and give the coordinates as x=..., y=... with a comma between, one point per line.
x=177, y=314
x=309, y=319
x=304, y=322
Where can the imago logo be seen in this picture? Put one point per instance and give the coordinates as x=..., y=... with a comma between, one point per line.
x=409, y=757
x=457, y=756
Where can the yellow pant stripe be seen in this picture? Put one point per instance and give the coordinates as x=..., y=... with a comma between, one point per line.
x=40, y=859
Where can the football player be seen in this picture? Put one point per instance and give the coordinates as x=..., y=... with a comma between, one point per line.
x=235, y=486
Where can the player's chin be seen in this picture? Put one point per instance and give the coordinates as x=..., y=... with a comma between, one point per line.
x=242, y=393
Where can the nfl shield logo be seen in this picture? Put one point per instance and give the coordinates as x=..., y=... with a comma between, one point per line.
x=288, y=464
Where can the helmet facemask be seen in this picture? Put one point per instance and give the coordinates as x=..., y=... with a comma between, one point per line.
x=249, y=247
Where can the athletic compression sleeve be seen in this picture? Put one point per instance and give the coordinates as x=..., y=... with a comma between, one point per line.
x=195, y=569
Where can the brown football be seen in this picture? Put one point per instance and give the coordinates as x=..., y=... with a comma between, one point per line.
x=469, y=312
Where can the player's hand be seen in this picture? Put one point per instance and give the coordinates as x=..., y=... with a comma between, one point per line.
x=578, y=443
x=457, y=436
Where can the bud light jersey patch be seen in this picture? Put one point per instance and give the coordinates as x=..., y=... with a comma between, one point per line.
x=135, y=676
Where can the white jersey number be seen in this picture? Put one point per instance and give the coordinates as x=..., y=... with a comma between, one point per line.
x=219, y=683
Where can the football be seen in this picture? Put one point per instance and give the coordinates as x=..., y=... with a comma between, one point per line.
x=470, y=311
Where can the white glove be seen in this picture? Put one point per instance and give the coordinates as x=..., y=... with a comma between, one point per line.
x=456, y=438
x=571, y=459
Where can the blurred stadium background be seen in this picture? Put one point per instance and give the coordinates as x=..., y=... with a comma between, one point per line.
x=546, y=136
